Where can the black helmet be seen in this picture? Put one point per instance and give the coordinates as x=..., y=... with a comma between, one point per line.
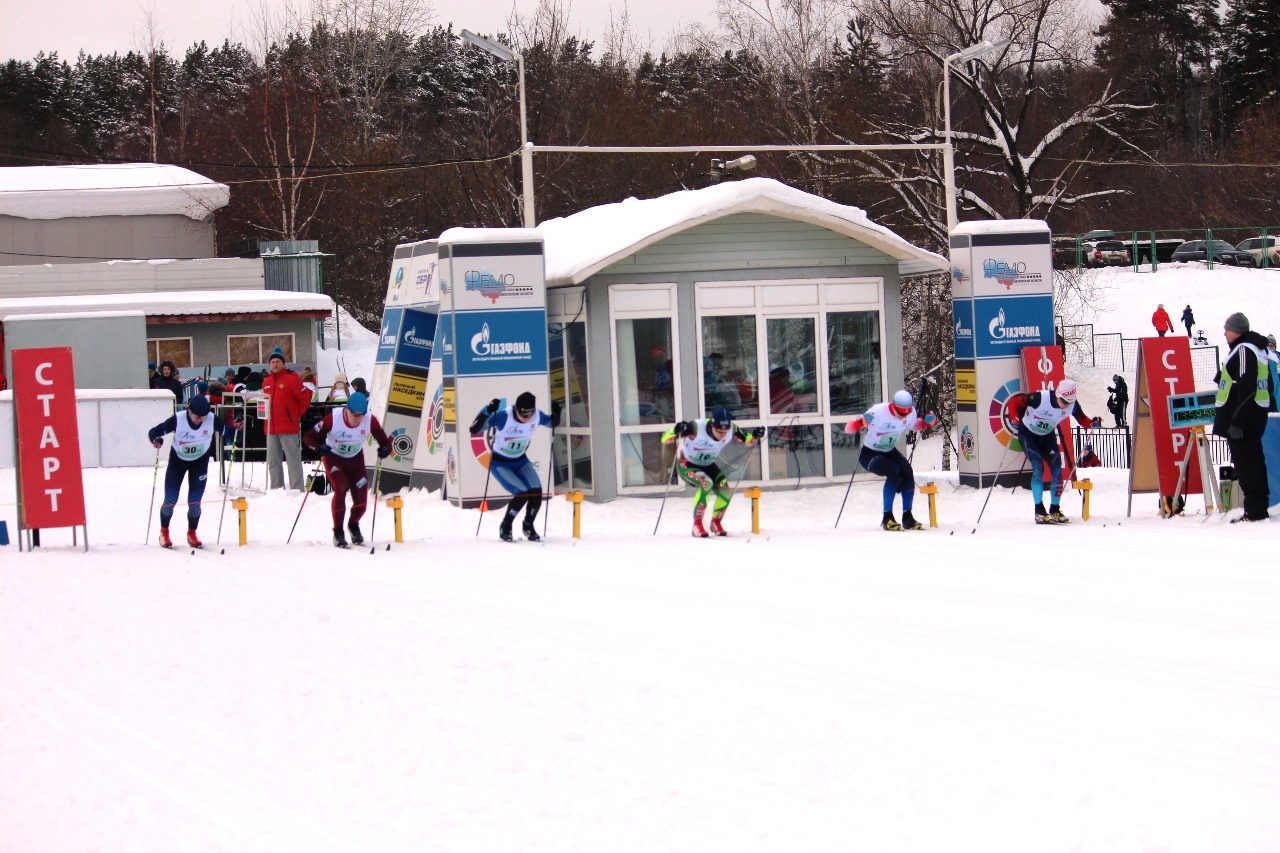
x=720, y=418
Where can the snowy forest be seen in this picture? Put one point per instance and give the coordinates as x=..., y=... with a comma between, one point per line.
x=369, y=122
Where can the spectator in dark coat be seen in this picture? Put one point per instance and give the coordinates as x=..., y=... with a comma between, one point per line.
x=1188, y=319
x=1088, y=459
x=1244, y=396
x=1121, y=392
x=167, y=378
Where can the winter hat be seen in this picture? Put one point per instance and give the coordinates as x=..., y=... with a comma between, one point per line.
x=199, y=406
x=339, y=377
x=358, y=403
x=1088, y=448
x=720, y=418
x=1271, y=339
x=902, y=400
x=276, y=353
x=1067, y=391
x=202, y=387
x=1237, y=323
x=151, y=365
x=526, y=402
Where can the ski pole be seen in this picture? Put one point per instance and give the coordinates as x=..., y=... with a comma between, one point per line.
x=484, y=500
x=150, y=512
x=226, y=487
x=920, y=400
x=373, y=523
x=994, y=480
x=551, y=478
x=849, y=488
x=671, y=475
x=305, y=494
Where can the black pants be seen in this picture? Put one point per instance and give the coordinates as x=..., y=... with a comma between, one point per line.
x=1251, y=472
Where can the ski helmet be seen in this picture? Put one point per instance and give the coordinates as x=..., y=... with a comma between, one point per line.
x=526, y=403
x=720, y=418
x=902, y=400
x=357, y=403
x=1067, y=391
x=199, y=406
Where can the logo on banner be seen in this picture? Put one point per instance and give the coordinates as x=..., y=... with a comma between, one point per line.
x=1000, y=414
x=388, y=338
x=401, y=444
x=424, y=278
x=966, y=443
x=958, y=275
x=1009, y=273
x=435, y=421
x=489, y=350
x=399, y=277
x=451, y=466
x=493, y=286
x=963, y=332
x=411, y=338
x=1013, y=334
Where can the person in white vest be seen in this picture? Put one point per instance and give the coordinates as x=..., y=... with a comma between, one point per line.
x=885, y=423
x=1039, y=414
x=193, y=435
x=512, y=430
x=704, y=438
x=339, y=438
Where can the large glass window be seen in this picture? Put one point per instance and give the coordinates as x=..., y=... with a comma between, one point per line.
x=793, y=367
x=646, y=461
x=572, y=455
x=853, y=361
x=796, y=451
x=177, y=350
x=646, y=387
x=254, y=349
x=569, y=373
x=729, y=375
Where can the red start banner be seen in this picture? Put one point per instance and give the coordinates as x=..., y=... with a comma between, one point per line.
x=50, y=487
x=1044, y=367
x=1169, y=371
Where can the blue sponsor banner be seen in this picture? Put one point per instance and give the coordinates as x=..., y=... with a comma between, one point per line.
x=496, y=342
x=417, y=335
x=963, y=332
x=444, y=343
x=388, y=334
x=1003, y=325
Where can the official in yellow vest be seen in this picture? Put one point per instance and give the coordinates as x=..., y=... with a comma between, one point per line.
x=1244, y=397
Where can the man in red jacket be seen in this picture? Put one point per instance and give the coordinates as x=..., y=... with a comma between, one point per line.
x=1161, y=320
x=287, y=398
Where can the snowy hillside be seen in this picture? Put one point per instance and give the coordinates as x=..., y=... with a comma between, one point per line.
x=1112, y=685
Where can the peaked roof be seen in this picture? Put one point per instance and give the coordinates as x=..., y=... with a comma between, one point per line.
x=581, y=245
x=112, y=189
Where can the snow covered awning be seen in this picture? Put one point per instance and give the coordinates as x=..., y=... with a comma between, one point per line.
x=116, y=189
x=189, y=306
x=581, y=245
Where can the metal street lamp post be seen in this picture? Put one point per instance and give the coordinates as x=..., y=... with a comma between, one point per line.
x=506, y=54
x=948, y=150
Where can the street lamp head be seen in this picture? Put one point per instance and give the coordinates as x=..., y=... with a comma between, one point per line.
x=982, y=48
x=489, y=46
x=745, y=163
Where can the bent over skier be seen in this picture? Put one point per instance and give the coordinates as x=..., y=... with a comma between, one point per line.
x=513, y=428
x=884, y=423
x=1038, y=418
x=339, y=439
x=193, y=431
x=704, y=438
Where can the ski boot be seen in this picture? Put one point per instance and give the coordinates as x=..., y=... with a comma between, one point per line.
x=193, y=541
x=909, y=522
x=504, y=529
x=716, y=528
x=1043, y=517
x=889, y=522
x=1055, y=513
x=339, y=541
x=357, y=538
x=698, y=530
x=530, y=532
x=165, y=541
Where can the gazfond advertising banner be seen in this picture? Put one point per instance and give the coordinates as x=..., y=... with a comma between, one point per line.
x=493, y=337
x=417, y=335
x=1002, y=286
x=388, y=335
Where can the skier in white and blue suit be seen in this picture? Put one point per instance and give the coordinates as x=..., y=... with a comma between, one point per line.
x=1038, y=417
x=513, y=429
x=885, y=423
x=194, y=432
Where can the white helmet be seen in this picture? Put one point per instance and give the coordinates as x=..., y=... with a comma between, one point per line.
x=1067, y=391
x=902, y=399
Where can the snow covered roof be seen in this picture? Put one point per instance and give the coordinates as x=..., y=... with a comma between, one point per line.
x=116, y=189
x=1003, y=226
x=176, y=303
x=581, y=245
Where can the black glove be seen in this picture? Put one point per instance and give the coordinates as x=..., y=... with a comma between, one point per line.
x=157, y=443
x=686, y=429
x=477, y=426
x=324, y=449
x=556, y=409
x=493, y=406
x=384, y=452
x=1235, y=433
x=235, y=424
x=757, y=433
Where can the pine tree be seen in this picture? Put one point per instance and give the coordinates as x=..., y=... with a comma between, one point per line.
x=1249, y=71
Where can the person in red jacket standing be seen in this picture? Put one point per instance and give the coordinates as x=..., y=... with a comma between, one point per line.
x=1161, y=320
x=287, y=398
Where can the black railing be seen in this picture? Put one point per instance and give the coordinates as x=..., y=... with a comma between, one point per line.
x=1112, y=446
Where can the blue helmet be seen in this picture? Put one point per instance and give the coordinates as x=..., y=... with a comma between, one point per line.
x=720, y=418
x=358, y=403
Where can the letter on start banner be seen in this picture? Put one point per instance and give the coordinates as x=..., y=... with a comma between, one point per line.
x=50, y=487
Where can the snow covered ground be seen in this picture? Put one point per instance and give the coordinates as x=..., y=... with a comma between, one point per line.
x=1113, y=685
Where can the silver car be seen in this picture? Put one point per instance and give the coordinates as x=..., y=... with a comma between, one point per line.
x=1262, y=247
x=1104, y=253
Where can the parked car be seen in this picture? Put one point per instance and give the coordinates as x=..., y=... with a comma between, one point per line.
x=1104, y=253
x=1064, y=253
x=1260, y=246
x=1223, y=253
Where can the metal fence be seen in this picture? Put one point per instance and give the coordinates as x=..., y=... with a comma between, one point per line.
x=1112, y=351
x=1079, y=344
x=1112, y=446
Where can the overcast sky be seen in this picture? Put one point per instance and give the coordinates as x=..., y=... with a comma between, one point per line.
x=103, y=26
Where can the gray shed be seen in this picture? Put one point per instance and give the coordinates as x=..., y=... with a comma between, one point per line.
x=782, y=306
